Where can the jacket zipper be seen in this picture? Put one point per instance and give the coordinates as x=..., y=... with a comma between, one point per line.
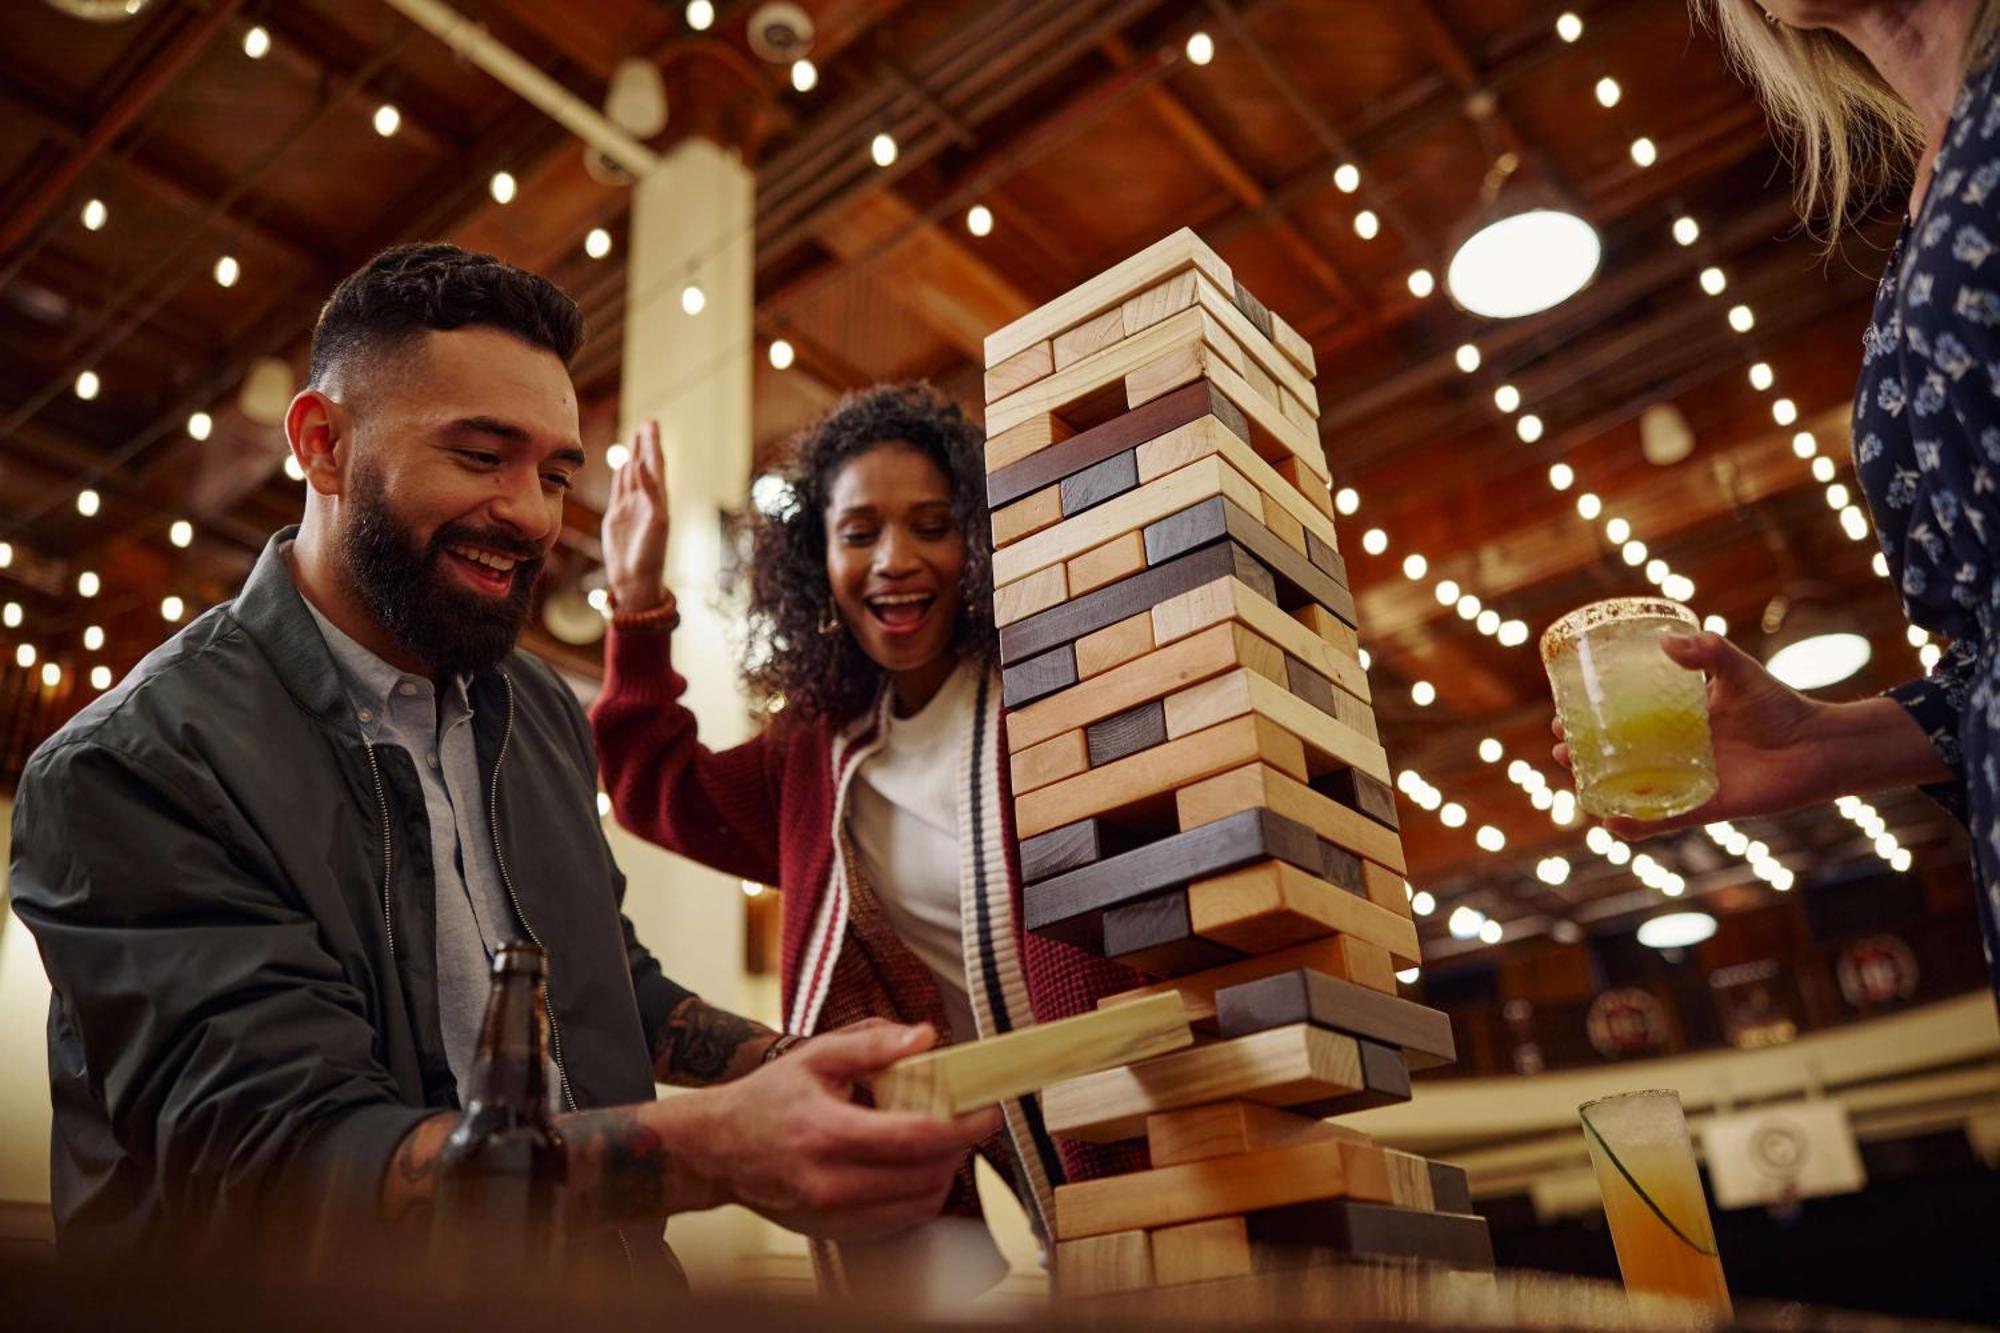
x=388, y=850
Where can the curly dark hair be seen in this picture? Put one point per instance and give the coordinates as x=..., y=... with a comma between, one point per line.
x=410, y=289
x=789, y=659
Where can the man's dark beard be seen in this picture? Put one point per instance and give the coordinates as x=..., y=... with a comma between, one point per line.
x=451, y=630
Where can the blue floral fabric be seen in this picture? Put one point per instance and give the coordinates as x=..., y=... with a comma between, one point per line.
x=1927, y=453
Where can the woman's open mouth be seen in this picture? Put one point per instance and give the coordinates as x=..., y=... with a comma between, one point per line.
x=901, y=612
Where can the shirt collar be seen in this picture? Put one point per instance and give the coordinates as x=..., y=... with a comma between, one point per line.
x=372, y=684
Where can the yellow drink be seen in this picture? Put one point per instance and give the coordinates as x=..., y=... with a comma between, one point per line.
x=1653, y=1201
x=1636, y=721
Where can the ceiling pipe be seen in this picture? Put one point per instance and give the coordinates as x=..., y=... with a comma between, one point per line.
x=483, y=49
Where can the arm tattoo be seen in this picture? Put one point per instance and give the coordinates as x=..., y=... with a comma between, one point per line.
x=700, y=1045
x=409, y=1185
x=628, y=1160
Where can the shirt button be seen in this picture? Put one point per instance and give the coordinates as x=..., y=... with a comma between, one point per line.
x=365, y=714
x=407, y=688
x=432, y=758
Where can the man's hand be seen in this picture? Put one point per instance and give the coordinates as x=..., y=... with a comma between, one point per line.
x=635, y=524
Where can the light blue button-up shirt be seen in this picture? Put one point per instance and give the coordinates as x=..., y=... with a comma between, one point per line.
x=474, y=914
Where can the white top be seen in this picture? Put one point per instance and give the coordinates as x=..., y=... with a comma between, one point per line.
x=903, y=817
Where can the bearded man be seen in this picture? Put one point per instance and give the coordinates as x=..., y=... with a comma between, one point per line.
x=268, y=871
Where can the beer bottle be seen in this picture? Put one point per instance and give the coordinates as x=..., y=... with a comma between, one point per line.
x=500, y=1172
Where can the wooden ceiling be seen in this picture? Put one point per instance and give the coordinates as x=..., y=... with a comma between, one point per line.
x=1086, y=130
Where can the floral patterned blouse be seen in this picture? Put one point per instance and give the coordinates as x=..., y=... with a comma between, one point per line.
x=1927, y=453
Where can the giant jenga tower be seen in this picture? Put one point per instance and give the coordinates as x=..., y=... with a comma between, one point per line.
x=1199, y=788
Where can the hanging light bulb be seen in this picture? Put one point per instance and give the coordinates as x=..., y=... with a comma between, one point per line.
x=93, y=638
x=1713, y=280
x=1467, y=357
x=1374, y=541
x=256, y=42
x=1644, y=151
x=597, y=243
x=24, y=656
x=100, y=677
x=1686, y=230
x=51, y=674
x=1568, y=26
x=1562, y=476
x=227, y=271
x=388, y=120
x=1415, y=566
x=1608, y=92
x=1347, y=178
x=87, y=584
x=1507, y=398
x=781, y=354
x=292, y=468
x=1762, y=376
x=693, y=299
x=882, y=148
x=200, y=426
x=1742, y=318
x=1366, y=225
x=805, y=75
x=700, y=15
x=1200, y=48
x=181, y=533
x=979, y=220
x=1422, y=283
x=1529, y=427
x=88, y=502
x=172, y=609
x=1784, y=411
x=1347, y=500
x=502, y=187
x=10, y=615
x=87, y=385
x=95, y=214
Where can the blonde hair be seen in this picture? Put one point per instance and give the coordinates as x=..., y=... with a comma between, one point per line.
x=1850, y=135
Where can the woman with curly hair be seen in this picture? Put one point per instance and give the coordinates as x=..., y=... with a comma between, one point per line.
x=878, y=800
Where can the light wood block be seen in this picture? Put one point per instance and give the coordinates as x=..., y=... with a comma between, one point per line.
x=1019, y=371
x=1126, y=513
x=1264, y=908
x=1284, y=441
x=1101, y=1265
x=1232, y=599
x=1164, y=258
x=1331, y=956
x=952, y=1080
x=1330, y=744
x=1200, y=803
x=1123, y=555
x=1054, y=759
x=1271, y=365
x=1281, y=523
x=1297, y=410
x=1225, y=1129
x=1266, y=387
x=1169, y=453
x=1041, y=510
x=1385, y=888
x=1037, y=592
x=1159, y=301
x=1307, y=481
x=1409, y=1180
x=1102, y=370
x=1029, y=436
x=1093, y=335
x=1143, y=786
x=1158, y=674
x=1292, y=345
x=1370, y=964
x=1199, y=1190
x=1114, y=645
x=1201, y=1251
x=1333, y=631
x=1281, y=1067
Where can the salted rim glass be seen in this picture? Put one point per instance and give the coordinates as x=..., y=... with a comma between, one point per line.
x=1563, y=636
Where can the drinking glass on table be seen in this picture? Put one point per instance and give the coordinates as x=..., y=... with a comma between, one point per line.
x=1636, y=720
x=1653, y=1199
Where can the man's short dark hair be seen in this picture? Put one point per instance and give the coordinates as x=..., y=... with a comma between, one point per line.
x=408, y=290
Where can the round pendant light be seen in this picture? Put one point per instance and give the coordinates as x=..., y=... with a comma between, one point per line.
x=1522, y=262
x=1676, y=930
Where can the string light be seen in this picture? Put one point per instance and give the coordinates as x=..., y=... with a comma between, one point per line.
x=1617, y=531
x=227, y=271
x=93, y=638
x=87, y=584
x=700, y=15
x=597, y=243
x=1742, y=318
x=1588, y=506
x=1804, y=444
x=1374, y=541
x=1644, y=151
x=256, y=42
x=10, y=615
x=1422, y=283
x=882, y=148
x=979, y=220
x=1490, y=838
x=780, y=354
x=88, y=502
x=1347, y=178
x=1608, y=92
x=1762, y=377
x=1529, y=427
x=24, y=656
x=1415, y=566
x=1686, y=230
x=95, y=215
x=1467, y=357
x=1784, y=411
x=693, y=299
x=100, y=677
x=6, y=554
x=1822, y=468
x=172, y=609
x=1200, y=48
x=502, y=187
x=1713, y=280
x=1507, y=398
x=87, y=385
x=805, y=75
x=1366, y=224
x=200, y=426
x=1562, y=476
x=51, y=675
x=1568, y=26
x=1346, y=500
x=1423, y=694
x=617, y=456
x=388, y=120
x=1447, y=592
x=292, y=468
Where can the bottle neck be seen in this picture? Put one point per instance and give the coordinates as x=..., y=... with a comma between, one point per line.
x=510, y=1067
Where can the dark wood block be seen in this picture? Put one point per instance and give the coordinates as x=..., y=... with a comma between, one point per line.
x=1309, y=685
x=1305, y=996
x=1357, y=791
x=1219, y=518
x=1068, y=907
x=1253, y=310
x=1385, y=1080
x=1451, y=1191
x=1325, y=556
x=1022, y=684
x=1154, y=936
x=1114, y=602
x=1099, y=482
x=1121, y=434
x=1342, y=868
x=1306, y=1232
x=1064, y=849
x=1126, y=733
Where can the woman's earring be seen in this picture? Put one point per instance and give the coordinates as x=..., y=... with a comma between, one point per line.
x=829, y=623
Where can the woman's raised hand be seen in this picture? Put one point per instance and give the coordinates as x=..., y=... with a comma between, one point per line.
x=635, y=524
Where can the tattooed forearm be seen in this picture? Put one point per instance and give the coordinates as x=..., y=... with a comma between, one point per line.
x=700, y=1045
x=409, y=1184
x=620, y=1167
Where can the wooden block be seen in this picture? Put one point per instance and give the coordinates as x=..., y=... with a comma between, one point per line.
x=1025, y=596
x=1279, y=1068
x=1274, y=435
x=1159, y=673
x=1254, y=310
x=1139, y=789
x=952, y=1080
x=1107, y=606
x=1153, y=936
x=1368, y=1167
x=1163, y=259
x=1025, y=682
x=1308, y=482
x=1169, y=453
x=1297, y=409
x=1094, y=389
x=1198, y=608
x=1114, y=645
x=1266, y=907
x=1093, y=335
x=1131, y=430
x=1409, y=1180
x=1304, y=996
x=1067, y=907
x=1332, y=631
x=1385, y=1078
x=1159, y=301
x=1283, y=526
x=1294, y=800
x=1124, y=733
x=1357, y=791
x=1018, y=371
x=1125, y=512
x=1098, y=483
x=1192, y=1192
x=1220, y=517
x=1007, y=448
x=1343, y=869
x=1368, y=964
x=1292, y=345
x=1201, y=1251
x=1384, y=888
x=1326, y=556
x=1119, y=558
x=1338, y=704
x=1450, y=1190
x=1225, y=1129
x=1327, y=957
x=1330, y=744
x=1351, y=1229
x=1065, y=849
x=1264, y=386
x=1264, y=363
x=1056, y=758
x=1041, y=510
x=1101, y=1265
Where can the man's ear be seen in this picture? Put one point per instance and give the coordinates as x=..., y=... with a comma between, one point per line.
x=320, y=433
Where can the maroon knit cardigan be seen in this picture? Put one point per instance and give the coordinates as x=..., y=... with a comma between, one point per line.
x=764, y=811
